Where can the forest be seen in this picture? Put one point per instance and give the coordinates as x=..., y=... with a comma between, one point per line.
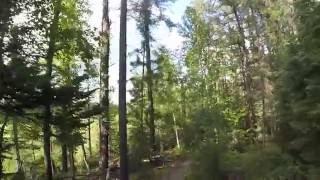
x=239, y=100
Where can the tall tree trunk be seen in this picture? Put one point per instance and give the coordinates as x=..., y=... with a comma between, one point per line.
x=53, y=165
x=147, y=16
x=46, y=144
x=105, y=124
x=2, y=33
x=1, y=58
x=85, y=158
x=5, y=14
x=16, y=144
x=89, y=137
x=71, y=161
x=47, y=91
x=183, y=105
x=142, y=91
x=33, y=151
x=124, y=172
x=161, y=147
x=64, y=157
x=4, y=19
x=2, y=129
x=266, y=96
x=247, y=79
x=89, y=125
x=176, y=130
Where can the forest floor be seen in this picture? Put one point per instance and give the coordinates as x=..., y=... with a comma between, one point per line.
x=177, y=170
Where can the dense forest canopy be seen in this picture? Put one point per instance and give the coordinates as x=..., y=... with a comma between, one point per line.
x=238, y=100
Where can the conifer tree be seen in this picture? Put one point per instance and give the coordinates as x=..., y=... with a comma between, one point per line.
x=298, y=88
x=146, y=20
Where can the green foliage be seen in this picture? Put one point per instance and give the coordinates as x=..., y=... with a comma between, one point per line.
x=139, y=150
x=275, y=164
x=23, y=86
x=208, y=161
x=217, y=161
x=206, y=125
x=215, y=100
x=164, y=79
x=298, y=87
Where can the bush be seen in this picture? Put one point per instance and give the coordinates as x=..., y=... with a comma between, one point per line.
x=213, y=161
x=207, y=162
x=266, y=162
x=139, y=150
x=205, y=125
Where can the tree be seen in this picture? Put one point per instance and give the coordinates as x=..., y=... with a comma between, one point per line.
x=41, y=64
x=18, y=77
x=104, y=65
x=8, y=9
x=147, y=15
x=145, y=21
x=70, y=105
x=63, y=47
x=166, y=106
x=137, y=113
x=48, y=90
x=298, y=87
x=241, y=92
x=124, y=174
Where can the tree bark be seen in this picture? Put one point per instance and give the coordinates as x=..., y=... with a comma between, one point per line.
x=85, y=159
x=89, y=125
x=176, y=130
x=124, y=174
x=247, y=79
x=64, y=159
x=16, y=144
x=33, y=151
x=142, y=91
x=71, y=161
x=1, y=58
x=105, y=124
x=4, y=18
x=147, y=16
x=2, y=129
x=89, y=137
x=47, y=91
x=183, y=105
x=46, y=144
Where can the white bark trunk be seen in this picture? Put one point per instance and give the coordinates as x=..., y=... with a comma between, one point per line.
x=176, y=130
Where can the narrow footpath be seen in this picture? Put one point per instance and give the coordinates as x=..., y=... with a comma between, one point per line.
x=176, y=171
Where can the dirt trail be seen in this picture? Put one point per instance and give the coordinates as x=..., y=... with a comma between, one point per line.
x=176, y=171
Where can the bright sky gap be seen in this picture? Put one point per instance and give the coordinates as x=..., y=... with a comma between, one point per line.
x=169, y=38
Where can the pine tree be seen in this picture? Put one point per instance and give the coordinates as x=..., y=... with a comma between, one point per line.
x=145, y=21
x=18, y=77
x=298, y=89
x=46, y=129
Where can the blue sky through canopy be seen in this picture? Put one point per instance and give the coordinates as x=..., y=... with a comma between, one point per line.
x=170, y=39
